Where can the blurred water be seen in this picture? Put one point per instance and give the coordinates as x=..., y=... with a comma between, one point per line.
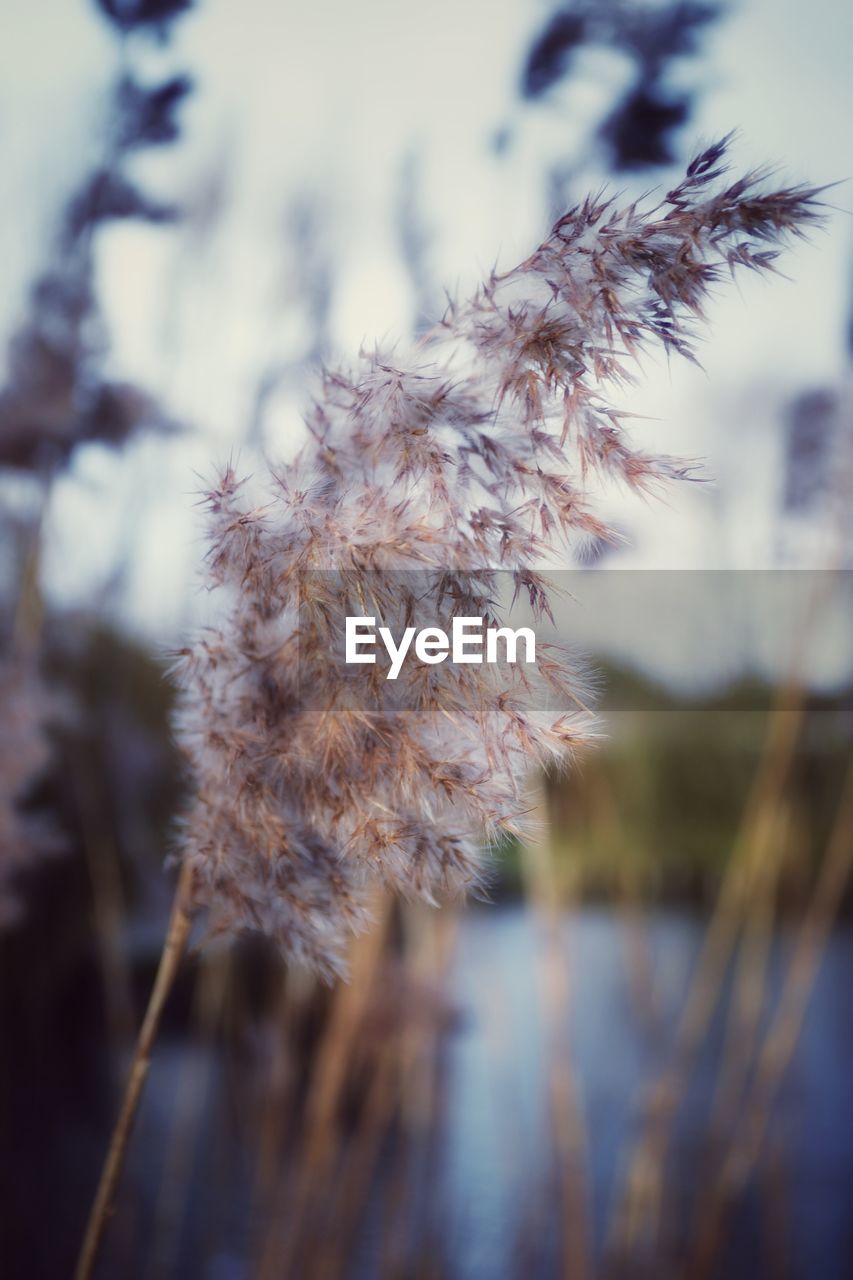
x=491, y=1199
x=498, y=1126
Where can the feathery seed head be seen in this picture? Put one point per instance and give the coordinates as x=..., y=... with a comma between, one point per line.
x=425, y=475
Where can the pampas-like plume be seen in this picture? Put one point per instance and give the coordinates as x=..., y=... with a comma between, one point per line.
x=478, y=451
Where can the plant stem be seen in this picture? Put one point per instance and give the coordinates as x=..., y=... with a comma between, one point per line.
x=170, y=960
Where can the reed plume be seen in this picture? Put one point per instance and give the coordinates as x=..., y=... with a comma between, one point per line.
x=428, y=472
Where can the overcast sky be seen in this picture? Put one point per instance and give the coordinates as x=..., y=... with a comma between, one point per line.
x=327, y=101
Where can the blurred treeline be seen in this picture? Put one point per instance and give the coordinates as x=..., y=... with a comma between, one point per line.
x=657, y=807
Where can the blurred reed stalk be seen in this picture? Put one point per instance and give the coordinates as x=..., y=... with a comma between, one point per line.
x=639, y=1208
x=741, y=1130
x=605, y=817
x=780, y=1041
x=102, y=859
x=29, y=607
x=277, y=1107
x=370, y=1114
x=412, y=1207
x=743, y=913
x=763, y=876
x=326, y=1253
x=319, y=1142
x=209, y=996
x=566, y=1113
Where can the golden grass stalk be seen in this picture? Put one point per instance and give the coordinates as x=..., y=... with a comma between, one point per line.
x=777, y=1049
x=570, y=1142
x=170, y=960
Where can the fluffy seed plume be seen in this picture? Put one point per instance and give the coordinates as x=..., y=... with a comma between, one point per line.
x=425, y=475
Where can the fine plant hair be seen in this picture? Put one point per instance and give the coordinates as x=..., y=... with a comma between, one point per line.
x=480, y=449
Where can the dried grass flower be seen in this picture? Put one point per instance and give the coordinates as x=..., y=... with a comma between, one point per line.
x=478, y=451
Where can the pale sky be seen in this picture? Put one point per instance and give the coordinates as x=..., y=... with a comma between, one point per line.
x=327, y=100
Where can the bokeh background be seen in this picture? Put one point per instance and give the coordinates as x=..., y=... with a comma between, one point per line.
x=634, y=1059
